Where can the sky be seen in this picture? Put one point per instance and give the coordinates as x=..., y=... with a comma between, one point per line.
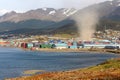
x=25, y=5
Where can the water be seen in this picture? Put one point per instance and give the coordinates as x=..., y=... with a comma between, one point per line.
x=14, y=61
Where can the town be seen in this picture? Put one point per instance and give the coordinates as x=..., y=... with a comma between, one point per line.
x=108, y=39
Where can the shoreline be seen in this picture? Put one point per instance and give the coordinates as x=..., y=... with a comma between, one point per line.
x=109, y=70
x=91, y=50
x=33, y=72
x=77, y=50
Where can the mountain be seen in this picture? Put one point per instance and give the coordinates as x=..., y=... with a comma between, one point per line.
x=40, y=19
x=115, y=15
x=50, y=20
x=103, y=8
x=39, y=14
x=109, y=14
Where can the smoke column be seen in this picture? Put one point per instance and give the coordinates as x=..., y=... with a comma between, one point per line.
x=86, y=19
x=86, y=22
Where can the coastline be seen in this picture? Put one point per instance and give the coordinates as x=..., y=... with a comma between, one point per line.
x=109, y=70
x=91, y=50
x=32, y=72
x=61, y=50
x=95, y=50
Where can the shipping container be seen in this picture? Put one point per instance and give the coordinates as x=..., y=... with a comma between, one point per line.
x=61, y=45
x=73, y=47
x=29, y=45
x=24, y=45
x=45, y=45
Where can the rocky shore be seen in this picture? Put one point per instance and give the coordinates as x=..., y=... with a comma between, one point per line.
x=109, y=70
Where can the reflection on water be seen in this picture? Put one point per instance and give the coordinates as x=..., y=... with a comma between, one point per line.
x=14, y=61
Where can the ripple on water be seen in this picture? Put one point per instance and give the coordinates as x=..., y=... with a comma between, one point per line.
x=14, y=61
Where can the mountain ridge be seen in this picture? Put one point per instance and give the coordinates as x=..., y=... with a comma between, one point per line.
x=60, y=19
x=39, y=14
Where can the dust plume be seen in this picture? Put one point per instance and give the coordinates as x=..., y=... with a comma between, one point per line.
x=86, y=22
x=86, y=19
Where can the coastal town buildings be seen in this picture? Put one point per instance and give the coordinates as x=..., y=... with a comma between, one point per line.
x=109, y=39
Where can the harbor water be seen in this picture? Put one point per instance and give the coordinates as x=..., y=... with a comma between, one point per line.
x=14, y=61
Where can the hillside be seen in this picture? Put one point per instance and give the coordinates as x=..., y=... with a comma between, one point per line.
x=50, y=20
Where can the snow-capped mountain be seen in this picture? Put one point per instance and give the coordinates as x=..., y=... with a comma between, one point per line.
x=60, y=19
x=104, y=9
x=39, y=14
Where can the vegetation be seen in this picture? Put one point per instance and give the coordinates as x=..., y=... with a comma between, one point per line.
x=109, y=70
x=63, y=35
x=108, y=24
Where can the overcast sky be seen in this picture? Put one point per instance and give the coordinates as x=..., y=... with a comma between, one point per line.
x=25, y=5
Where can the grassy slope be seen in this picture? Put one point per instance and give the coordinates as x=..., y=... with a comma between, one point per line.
x=109, y=70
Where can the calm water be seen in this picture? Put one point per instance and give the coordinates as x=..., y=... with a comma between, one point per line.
x=14, y=61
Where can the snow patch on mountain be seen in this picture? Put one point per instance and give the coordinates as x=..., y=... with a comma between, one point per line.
x=69, y=12
x=3, y=11
x=44, y=9
x=118, y=4
x=73, y=12
x=111, y=3
x=52, y=12
x=66, y=11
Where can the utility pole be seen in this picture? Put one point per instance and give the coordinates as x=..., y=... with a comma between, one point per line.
x=105, y=31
